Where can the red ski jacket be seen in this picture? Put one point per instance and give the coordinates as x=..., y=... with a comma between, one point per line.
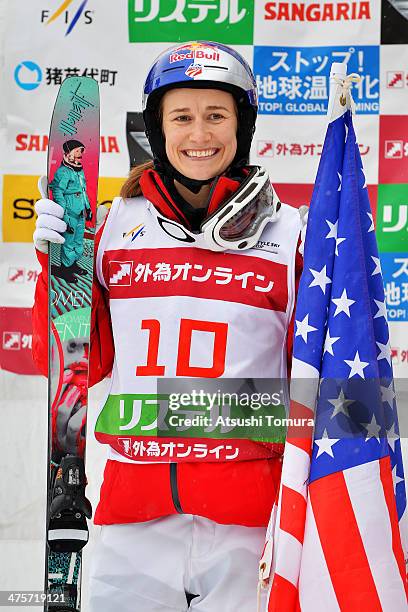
x=239, y=493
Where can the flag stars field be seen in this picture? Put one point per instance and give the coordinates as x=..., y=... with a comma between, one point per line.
x=338, y=241
x=382, y=309
x=343, y=304
x=320, y=279
x=328, y=343
x=396, y=479
x=303, y=328
x=371, y=228
x=364, y=186
x=357, y=366
x=373, y=429
x=341, y=404
x=377, y=269
x=333, y=229
x=385, y=352
x=388, y=394
x=325, y=445
x=392, y=437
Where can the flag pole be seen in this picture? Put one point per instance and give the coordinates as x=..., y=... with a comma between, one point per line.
x=338, y=73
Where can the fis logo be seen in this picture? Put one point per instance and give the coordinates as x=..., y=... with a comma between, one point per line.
x=135, y=232
x=62, y=10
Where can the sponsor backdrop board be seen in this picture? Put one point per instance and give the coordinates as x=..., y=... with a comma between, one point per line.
x=289, y=44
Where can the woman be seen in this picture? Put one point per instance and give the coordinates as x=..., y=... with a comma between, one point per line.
x=184, y=520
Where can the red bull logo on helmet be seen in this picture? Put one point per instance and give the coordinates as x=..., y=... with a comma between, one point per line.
x=195, y=51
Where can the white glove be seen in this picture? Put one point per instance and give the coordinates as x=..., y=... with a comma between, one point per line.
x=304, y=214
x=49, y=225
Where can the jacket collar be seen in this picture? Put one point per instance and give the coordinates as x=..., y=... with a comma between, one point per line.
x=154, y=190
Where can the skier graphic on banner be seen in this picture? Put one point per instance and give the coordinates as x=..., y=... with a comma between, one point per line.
x=69, y=191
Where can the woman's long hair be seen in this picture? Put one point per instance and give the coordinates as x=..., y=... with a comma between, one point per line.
x=131, y=188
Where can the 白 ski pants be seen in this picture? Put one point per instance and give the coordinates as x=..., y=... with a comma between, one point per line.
x=151, y=566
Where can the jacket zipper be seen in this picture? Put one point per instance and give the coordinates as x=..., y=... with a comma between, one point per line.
x=174, y=488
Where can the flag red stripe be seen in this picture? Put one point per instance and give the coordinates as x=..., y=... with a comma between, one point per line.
x=300, y=436
x=342, y=544
x=284, y=596
x=388, y=487
x=292, y=519
x=302, y=443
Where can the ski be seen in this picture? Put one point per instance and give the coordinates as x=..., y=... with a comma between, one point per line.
x=72, y=181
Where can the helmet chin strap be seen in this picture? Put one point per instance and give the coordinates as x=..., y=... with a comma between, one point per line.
x=193, y=185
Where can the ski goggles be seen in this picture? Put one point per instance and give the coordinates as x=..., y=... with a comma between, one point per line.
x=239, y=222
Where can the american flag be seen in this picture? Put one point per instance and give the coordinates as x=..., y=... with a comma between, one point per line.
x=335, y=537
